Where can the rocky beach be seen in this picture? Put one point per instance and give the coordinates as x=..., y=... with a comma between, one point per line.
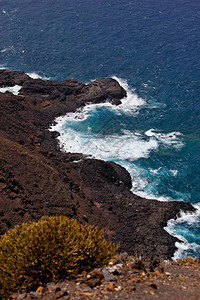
x=37, y=178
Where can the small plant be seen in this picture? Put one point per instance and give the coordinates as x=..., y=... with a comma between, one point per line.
x=36, y=253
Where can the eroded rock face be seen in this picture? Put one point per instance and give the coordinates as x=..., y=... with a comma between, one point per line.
x=37, y=179
x=100, y=90
x=97, y=173
x=51, y=89
x=104, y=89
x=11, y=78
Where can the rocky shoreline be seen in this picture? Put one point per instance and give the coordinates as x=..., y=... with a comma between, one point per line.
x=37, y=178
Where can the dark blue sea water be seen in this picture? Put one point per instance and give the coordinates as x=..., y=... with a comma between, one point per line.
x=152, y=47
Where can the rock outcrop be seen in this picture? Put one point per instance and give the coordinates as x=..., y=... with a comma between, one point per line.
x=37, y=179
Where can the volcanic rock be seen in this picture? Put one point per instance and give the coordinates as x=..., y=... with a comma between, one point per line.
x=38, y=179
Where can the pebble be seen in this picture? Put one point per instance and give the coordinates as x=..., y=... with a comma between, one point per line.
x=136, y=279
x=161, y=269
x=60, y=294
x=40, y=289
x=85, y=294
x=143, y=274
x=119, y=288
x=51, y=286
x=122, y=257
x=153, y=285
x=35, y=295
x=114, y=268
x=102, y=284
x=21, y=296
x=157, y=273
x=110, y=287
x=108, y=276
x=96, y=273
x=92, y=282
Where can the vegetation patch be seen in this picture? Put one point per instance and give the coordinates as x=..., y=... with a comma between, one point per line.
x=186, y=260
x=50, y=249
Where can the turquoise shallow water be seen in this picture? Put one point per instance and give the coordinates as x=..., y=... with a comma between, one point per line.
x=154, y=47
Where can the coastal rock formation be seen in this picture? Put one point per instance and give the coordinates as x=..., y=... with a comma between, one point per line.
x=37, y=179
x=11, y=78
x=100, y=90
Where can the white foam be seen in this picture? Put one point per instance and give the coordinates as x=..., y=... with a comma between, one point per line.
x=127, y=146
x=120, y=148
x=80, y=114
x=152, y=196
x=138, y=182
x=191, y=219
x=174, y=172
x=123, y=148
x=4, y=50
x=145, y=85
x=7, y=49
x=167, y=139
x=14, y=89
x=184, y=247
x=132, y=101
x=130, y=104
x=35, y=75
x=156, y=171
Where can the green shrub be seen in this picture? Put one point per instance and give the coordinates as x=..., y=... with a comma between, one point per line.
x=36, y=253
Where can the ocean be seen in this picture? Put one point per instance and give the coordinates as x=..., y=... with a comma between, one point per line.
x=152, y=49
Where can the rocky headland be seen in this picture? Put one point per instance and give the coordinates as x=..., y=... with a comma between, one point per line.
x=37, y=178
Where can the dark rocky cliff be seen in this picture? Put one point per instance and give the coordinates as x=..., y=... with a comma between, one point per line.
x=37, y=179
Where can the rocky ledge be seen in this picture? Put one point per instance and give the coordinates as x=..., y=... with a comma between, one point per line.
x=126, y=278
x=37, y=179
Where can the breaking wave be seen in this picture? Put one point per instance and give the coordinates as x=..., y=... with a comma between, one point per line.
x=14, y=89
x=188, y=238
x=35, y=75
x=99, y=131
